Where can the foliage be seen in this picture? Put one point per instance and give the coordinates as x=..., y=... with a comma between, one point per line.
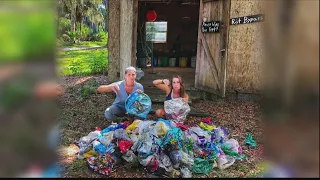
x=75, y=67
x=78, y=12
x=100, y=36
x=96, y=63
x=85, y=33
x=64, y=25
x=65, y=38
x=88, y=89
x=74, y=36
x=82, y=62
x=95, y=15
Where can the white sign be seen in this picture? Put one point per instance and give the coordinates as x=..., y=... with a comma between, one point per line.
x=156, y=26
x=156, y=32
x=157, y=37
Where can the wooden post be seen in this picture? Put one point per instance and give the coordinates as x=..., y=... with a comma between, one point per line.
x=134, y=33
x=224, y=44
x=114, y=40
x=126, y=25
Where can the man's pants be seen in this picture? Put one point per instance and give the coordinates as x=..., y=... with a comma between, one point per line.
x=113, y=112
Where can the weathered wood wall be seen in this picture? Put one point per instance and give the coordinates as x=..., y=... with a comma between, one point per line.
x=245, y=48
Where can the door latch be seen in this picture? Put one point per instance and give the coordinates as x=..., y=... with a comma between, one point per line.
x=223, y=51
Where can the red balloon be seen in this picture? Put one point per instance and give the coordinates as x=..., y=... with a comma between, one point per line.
x=151, y=15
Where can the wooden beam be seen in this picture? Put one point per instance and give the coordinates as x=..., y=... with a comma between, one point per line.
x=114, y=40
x=208, y=0
x=134, y=33
x=224, y=44
x=211, y=62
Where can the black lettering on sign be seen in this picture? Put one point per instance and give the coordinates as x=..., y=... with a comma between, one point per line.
x=247, y=19
x=212, y=26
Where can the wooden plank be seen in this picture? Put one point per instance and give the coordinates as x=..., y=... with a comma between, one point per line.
x=224, y=44
x=134, y=33
x=199, y=49
x=210, y=60
x=201, y=77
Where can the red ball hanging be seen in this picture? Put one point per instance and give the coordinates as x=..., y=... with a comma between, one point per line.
x=151, y=15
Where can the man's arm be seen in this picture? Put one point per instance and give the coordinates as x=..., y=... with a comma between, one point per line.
x=108, y=88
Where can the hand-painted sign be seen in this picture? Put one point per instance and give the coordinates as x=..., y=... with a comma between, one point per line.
x=247, y=19
x=212, y=26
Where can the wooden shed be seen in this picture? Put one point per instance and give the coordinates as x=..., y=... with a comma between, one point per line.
x=222, y=38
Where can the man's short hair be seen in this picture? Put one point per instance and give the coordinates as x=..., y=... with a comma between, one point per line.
x=130, y=68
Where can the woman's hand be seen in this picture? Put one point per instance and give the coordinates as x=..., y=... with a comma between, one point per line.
x=166, y=82
x=115, y=89
x=139, y=91
x=185, y=100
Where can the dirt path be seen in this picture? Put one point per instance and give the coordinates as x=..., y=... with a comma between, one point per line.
x=82, y=48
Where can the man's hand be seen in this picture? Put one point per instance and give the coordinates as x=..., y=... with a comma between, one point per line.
x=139, y=91
x=166, y=82
x=115, y=89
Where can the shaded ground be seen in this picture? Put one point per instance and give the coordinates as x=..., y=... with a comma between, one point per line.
x=82, y=110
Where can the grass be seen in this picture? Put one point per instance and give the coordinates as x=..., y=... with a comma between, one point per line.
x=84, y=43
x=82, y=62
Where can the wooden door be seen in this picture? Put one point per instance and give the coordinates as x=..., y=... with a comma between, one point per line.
x=212, y=47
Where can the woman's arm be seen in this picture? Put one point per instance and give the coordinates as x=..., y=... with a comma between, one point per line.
x=162, y=84
x=186, y=97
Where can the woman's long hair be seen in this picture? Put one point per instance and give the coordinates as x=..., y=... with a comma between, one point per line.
x=182, y=92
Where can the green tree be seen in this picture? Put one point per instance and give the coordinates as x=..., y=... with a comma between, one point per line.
x=76, y=10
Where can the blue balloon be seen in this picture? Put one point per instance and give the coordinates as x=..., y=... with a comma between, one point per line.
x=138, y=104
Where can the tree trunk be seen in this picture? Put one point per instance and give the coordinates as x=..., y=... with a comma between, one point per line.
x=106, y=18
x=73, y=19
x=80, y=31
